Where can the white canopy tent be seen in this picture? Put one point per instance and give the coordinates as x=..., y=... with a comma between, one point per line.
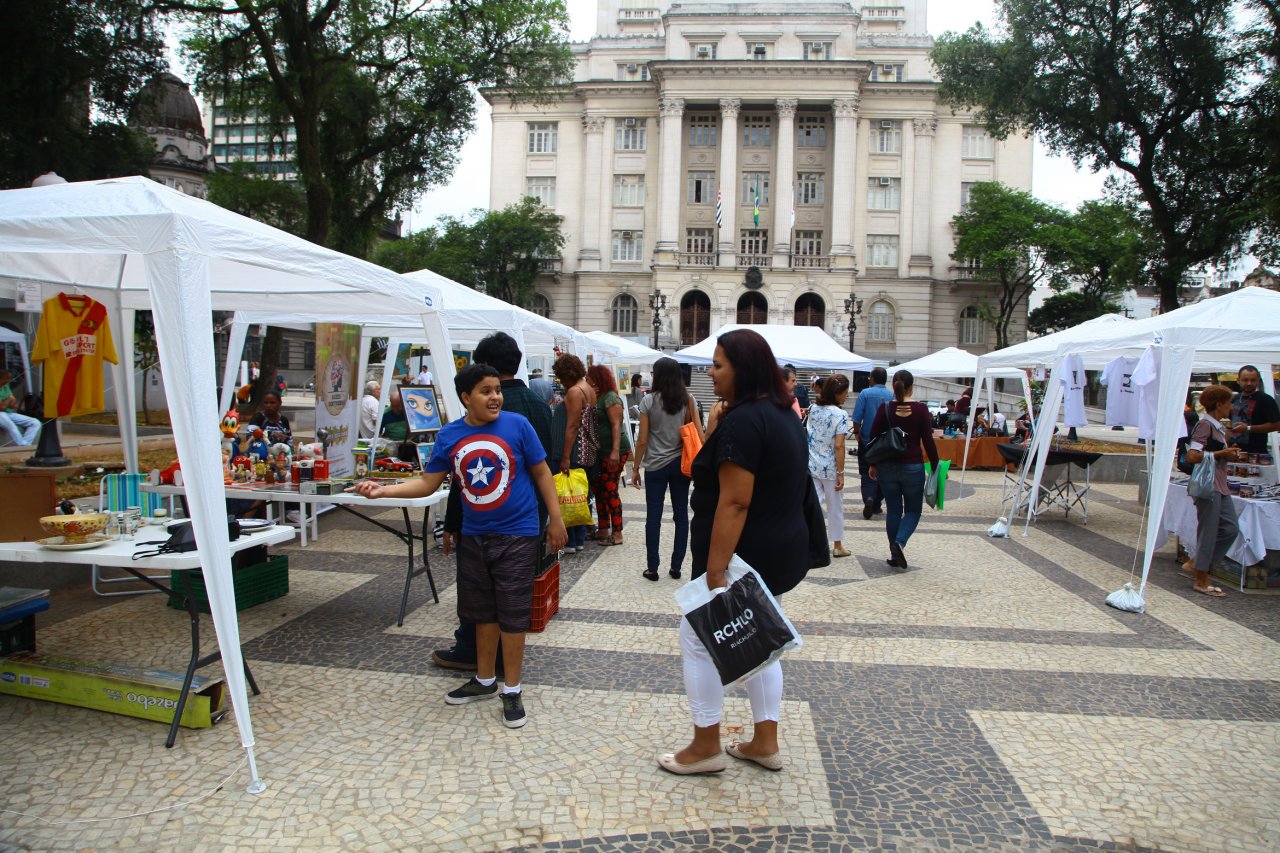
x=132, y=244
x=8, y=336
x=955, y=362
x=801, y=346
x=1236, y=328
x=621, y=350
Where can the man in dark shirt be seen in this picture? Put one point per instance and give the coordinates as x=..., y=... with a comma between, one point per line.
x=501, y=352
x=1254, y=414
x=800, y=392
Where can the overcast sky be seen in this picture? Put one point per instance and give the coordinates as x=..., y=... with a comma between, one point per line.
x=1053, y=178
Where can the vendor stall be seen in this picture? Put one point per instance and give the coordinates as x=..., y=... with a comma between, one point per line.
x=1258, y=544
x=800, y=346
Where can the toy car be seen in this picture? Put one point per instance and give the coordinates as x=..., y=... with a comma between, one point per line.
x=390, y=463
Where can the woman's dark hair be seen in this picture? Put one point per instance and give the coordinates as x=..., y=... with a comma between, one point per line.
x=903, y=382
x=602, y=377
x=569, y=370
x=832, y=389
x=466, y=379
x=637, y=381
x=1214, y=396
x=501, y=352
x=755, y=370
x=275, y=394
x=668, y=384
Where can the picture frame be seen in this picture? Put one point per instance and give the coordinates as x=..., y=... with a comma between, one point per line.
x=425, y=449
x=422, y=408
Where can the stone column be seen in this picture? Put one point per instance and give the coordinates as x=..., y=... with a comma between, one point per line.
x=727, y=180
x=920, y=260
x=593, y=165
x=672, y=112
x=783, y=200
x=841, y=192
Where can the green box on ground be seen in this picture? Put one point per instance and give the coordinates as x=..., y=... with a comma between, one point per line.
x=253, y=584
x=150, y=694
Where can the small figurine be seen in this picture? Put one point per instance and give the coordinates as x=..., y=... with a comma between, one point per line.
x=258, y=446
x=281, y=459
x=230, y=440
x=240, y=466
x=166, y=474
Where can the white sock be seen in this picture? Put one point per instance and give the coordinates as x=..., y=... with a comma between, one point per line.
x=487, y=682
x=510, y=688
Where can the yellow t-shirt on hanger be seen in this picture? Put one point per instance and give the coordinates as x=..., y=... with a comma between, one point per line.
x=73, y=341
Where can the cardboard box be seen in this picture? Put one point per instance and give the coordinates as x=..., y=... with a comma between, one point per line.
x=27, y=497
x=150, y=694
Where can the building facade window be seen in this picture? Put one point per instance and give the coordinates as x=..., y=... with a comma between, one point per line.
x=808, y=243
x=753, y=308
x=880, y=323
x=811, y=132
x=754, y=241
x=887, y=72
x=816, y=50
x=622, y=319
x=702, y=131
x=809, y=188
x=543, y=137
x=884, y=193
x=966, y=194
x=543, y=188
x=972, y=329
x=308, y=355
x=628, y=190
x=540, y=305
x=755, y=182
x=976, y=143
x=699, y=241
x=886, y=137
x=703, y=50
x=633, y=71
x=629, y=134
x=628, y=245
x=757, y=131
x=702, y=188
x=759, y=50
x=882, y=250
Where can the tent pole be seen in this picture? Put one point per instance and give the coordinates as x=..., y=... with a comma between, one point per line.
x=256, y=785
x=235, y=348
x=968, y=429
x=1044, y=434
x=130, y=424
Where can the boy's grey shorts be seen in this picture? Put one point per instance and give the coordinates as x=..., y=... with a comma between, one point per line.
x=495, y=580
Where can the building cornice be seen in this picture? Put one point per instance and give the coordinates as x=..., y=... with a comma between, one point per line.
x=855, y=71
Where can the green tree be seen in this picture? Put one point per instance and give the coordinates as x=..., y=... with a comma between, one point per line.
x=1165, y=91
x=244, y=190
x=1064, y=310
x=1009, y=238
x=380, y=93
x=68, y=75
x=499, y=253
x=146, y=356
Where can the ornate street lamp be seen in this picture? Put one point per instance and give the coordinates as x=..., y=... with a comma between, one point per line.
x=853, y=308
x=657, y=304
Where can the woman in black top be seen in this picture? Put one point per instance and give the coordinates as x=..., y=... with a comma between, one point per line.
x=902, y=480
x=749, y=481
x=274, y=425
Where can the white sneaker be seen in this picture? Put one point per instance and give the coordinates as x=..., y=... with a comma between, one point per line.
x=292, y=517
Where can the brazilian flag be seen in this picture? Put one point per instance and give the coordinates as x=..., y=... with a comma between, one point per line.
x=755, y=209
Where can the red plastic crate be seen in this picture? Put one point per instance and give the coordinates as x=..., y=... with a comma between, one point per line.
x=546, y=598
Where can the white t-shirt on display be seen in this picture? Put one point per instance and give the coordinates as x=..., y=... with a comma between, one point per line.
x=1073, y=380
x=1122, y=397
x=1146, y=379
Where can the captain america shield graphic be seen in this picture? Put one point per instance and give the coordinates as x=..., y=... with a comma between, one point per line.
x=483, y=466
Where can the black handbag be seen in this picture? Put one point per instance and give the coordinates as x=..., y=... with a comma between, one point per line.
x=888, y=446
x=819, y=552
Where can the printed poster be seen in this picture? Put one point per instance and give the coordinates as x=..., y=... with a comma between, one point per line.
x=337, y=395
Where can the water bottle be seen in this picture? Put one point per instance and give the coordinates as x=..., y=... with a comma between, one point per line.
x=113, y=526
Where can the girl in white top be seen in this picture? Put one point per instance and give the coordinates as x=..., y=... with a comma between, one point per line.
x=828, y=425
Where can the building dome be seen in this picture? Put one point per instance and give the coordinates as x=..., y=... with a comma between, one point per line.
x=165, y=101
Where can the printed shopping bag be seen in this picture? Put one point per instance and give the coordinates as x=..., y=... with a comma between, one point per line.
x=742, y=626
x=1201, y=483
x=935, y=483
x=571, y=488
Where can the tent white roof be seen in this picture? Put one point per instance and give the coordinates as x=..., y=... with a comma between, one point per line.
x=132, y=243
x=1042, y=351
x=622, y=350
x=953, y=361
x=802, y=346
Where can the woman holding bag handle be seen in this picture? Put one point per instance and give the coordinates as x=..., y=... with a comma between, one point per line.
x=748, y=498
x=902, y=479
x=1216, y=523
x=663, y=411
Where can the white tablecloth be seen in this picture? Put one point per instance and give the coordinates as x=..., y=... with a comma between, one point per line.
x=1259, y=525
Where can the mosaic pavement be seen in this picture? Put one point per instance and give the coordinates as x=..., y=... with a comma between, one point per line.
x=985, y=699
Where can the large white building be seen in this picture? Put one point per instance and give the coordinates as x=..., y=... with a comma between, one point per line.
x=757, y=162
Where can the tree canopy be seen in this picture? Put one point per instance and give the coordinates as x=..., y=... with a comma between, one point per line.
x=498, y=252
x=1169, y=93
x=380, y=93
x=68, y=76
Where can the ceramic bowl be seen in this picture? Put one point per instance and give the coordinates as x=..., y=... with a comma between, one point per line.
x=74, y=528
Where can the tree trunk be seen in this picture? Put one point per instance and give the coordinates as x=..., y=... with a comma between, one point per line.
x=1168, y=287
x=268, y=366
x=146, y=410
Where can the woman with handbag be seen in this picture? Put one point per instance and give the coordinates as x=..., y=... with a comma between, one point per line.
x=574, y=439
x=749, y=484
x=659, y=447
x=1216, y=523
x=828, y=427
x=901, y=475
x=615, y=447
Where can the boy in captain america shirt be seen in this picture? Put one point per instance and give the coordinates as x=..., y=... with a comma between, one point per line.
x=498, y=459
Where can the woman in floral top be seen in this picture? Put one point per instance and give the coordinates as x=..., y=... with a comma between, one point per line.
x=828, y=425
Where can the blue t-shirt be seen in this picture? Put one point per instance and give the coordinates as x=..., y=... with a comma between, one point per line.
x=869, y=402
x=491, y=464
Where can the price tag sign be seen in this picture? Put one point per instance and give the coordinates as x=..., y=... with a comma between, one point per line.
x=28, y=296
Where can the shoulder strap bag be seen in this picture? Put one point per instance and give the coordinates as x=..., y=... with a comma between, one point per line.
x=889, y=445
x=690, y=440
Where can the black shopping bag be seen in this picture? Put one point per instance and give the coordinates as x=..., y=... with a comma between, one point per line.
x=743, y=628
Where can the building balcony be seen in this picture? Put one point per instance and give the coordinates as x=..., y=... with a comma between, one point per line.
x=695, y=259
x=812, y=262
x=550, y=265
x=968, y=273
x=762, y=261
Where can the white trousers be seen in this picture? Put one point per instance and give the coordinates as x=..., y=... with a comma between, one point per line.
x=835, y=507
x=20, y=428
x=706, y=693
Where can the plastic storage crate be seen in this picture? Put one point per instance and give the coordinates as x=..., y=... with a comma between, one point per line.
x=253, y=584
x=546, y=598
x=18, y=626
